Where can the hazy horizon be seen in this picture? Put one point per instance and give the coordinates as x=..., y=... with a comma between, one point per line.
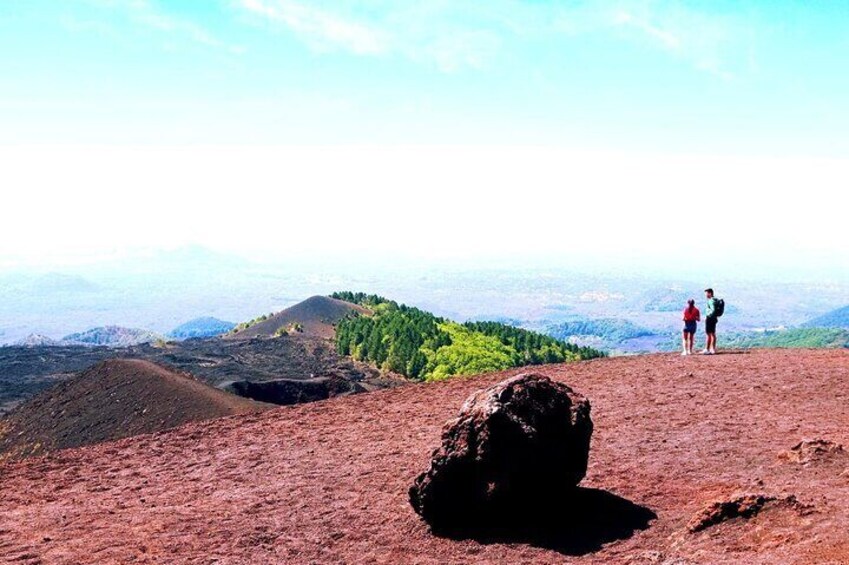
x=442, y=205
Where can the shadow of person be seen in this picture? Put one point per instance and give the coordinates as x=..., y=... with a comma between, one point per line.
x=577, y=522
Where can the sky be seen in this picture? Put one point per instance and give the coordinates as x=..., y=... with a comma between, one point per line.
x=670, y=129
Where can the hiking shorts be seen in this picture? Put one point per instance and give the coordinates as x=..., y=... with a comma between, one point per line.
x=710, y=324
x=690, y=327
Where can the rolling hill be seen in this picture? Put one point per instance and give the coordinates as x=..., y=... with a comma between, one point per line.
x=671, y=299
x=314, y=317
x=37, y=340
x=112, y=400
x=835, y=319
x=610, y=330
x=201, y=328
x=327, y=482
x=674, y=299
x=111, y=336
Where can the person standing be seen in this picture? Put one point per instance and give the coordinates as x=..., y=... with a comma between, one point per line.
x=692, y=316
x=711, y=317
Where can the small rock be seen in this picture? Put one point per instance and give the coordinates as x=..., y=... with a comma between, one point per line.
x=810, y=450
x=742, y=506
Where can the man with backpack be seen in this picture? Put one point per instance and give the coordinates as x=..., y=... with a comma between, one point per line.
x=715, y=309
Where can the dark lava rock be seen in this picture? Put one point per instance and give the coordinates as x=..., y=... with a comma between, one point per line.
x=513, y=446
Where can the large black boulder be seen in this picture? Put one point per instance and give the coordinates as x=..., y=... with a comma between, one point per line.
x=514, y=446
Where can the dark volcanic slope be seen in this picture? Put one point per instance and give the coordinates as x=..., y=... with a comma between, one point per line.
x=25, y=371
x=317, y=315
x=112, y=400
x=327, y=482
x=297, y=357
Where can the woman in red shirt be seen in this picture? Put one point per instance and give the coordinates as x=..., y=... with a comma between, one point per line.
x=692, y=316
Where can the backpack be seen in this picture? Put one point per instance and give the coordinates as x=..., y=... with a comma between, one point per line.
x=718, y=307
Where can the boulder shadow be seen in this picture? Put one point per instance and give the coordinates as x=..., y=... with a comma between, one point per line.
x=577, y=523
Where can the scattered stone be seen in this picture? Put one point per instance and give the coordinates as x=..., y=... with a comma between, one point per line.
x=647, y=557
x=514, y=444
x=808, y=451
x=742, y=506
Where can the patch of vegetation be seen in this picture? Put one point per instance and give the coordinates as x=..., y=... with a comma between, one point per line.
x=534, y=347
x=290, y=329
x=468, y=353
x=360, y=298
x=421, y=346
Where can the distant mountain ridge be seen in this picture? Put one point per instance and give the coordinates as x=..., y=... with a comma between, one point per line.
x=201, y=327
x=31, y=284
x=838, y=318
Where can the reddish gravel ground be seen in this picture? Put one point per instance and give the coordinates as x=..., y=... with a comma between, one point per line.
x=327, y=482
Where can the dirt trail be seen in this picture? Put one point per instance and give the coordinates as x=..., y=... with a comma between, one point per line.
x=327, y=482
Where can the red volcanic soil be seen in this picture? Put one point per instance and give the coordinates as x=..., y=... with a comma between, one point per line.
x=317, y=316
x=700, y=442
x=114, y=399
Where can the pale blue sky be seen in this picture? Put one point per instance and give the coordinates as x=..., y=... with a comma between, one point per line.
x=621, y=130
x=718, y=77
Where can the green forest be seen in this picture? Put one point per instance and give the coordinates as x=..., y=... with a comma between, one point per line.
x=421, y=346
